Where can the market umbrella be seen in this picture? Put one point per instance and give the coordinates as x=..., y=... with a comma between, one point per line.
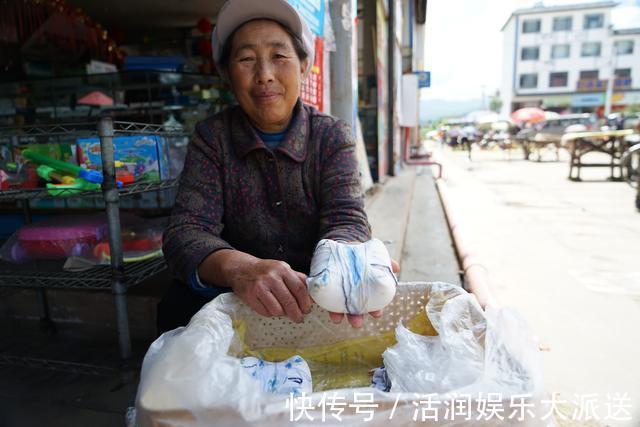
x=95, y=98
x=528, y=114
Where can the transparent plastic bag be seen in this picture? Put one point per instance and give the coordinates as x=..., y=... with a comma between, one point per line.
x=475, y=351
x=193, y=376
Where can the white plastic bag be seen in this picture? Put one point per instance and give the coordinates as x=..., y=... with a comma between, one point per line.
x=193, y=376
x=474, y=352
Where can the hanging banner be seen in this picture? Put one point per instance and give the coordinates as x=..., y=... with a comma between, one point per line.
x=312, y=91
x=313, y=13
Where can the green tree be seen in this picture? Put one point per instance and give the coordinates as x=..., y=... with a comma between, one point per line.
x=495, y=103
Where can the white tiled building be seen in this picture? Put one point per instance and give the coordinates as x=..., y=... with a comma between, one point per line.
x=560, y=58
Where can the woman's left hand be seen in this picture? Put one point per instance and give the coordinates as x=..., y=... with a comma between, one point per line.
x=357, y=320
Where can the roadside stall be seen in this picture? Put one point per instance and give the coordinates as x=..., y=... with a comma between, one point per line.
x=631, y=165
x=610, y=143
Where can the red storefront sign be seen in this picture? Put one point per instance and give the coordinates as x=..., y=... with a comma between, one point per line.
x=312, y=88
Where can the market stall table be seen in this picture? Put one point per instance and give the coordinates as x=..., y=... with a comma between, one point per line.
x=631, y=164
x=611, y=143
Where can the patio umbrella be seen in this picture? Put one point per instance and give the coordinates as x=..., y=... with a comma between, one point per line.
x=95, y=98
x=528, y=114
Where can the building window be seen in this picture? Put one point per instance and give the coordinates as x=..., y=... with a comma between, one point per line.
x=593, y=20
x=622, y=79
x=562, y=23
x=591, y=48
x=560, y=51
x=623, y=73
x=528, y=81
x=589, y=74
x=531, y=26
x=558, y=79
x=623, y=47
x=530, y=53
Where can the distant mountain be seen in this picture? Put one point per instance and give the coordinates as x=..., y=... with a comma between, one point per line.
x=435, y=109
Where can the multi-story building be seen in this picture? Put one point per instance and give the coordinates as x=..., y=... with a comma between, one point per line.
x=561, y=58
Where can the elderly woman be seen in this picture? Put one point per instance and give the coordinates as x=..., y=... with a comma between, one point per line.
x=263, y=181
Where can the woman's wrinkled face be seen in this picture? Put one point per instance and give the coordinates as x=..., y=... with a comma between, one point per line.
x=265, y=74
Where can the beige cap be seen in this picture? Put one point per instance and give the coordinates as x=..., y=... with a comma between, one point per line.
x=234, y=13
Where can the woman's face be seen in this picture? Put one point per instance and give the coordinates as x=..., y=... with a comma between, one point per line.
x=265, y=74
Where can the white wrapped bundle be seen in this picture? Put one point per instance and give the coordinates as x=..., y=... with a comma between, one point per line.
x=351, y=278
x=291, y=376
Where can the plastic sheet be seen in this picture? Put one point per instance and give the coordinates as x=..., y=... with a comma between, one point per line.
x=475, y=351
x=193, y=376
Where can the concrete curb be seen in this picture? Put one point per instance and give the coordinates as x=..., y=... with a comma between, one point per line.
x=476, y=275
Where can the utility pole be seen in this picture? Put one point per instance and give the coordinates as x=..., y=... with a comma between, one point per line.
x=344, y=78
x=344, y=94
x=608, y=95
x=391, y=86
x=611, y=78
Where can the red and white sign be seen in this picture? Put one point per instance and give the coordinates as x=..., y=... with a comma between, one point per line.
x=312, y=90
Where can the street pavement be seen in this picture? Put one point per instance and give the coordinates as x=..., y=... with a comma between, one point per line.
x=566, y=255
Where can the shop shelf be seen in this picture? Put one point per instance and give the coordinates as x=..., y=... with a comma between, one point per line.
x=51, y=275
x=67, y=367
x=42, y=193
x=118, y=276
x=45, y=134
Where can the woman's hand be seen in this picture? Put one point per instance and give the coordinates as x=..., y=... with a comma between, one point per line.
x=269, y=287
x=357, y=320
x=272, y=288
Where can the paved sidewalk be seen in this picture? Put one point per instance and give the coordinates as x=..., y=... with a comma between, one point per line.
x=407, y=215
x=565, y=254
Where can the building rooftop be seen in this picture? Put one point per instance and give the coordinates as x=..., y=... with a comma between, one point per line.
x=541, y=8
x=626, y=31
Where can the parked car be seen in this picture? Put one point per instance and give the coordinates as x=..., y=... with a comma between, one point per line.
x=550, y=131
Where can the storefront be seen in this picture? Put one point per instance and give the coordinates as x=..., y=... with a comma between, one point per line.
x=157, y=71
x=67, y=64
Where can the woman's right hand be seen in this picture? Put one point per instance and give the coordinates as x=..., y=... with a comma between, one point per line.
x=272, y=288
x=269, y=287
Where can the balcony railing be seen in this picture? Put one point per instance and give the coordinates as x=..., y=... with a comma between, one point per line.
x=622, y=83
x=599, y=85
